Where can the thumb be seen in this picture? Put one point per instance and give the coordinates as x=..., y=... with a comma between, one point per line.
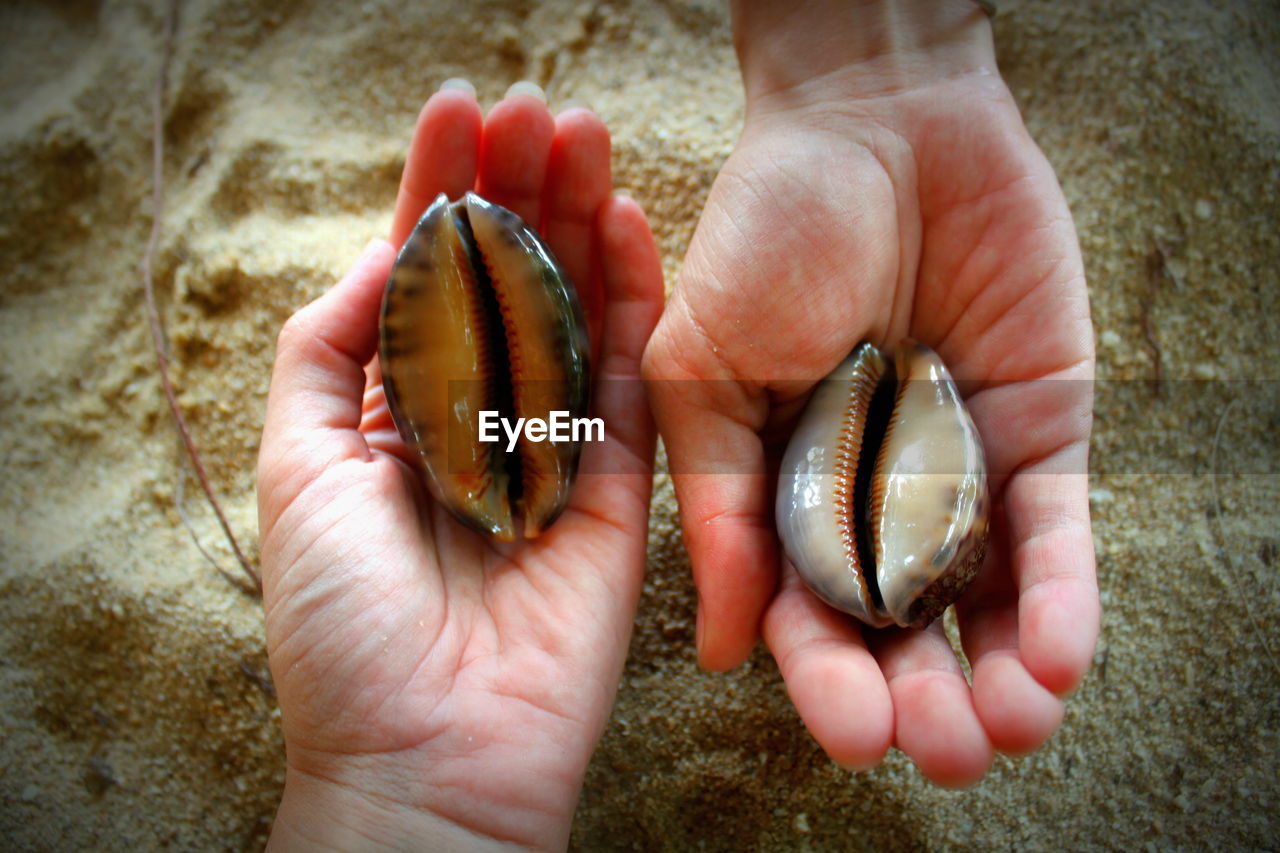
x=717, y=461
x=313, y=406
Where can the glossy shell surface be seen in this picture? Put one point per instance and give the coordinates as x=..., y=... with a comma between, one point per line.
x=478, y=316
x=882, y=494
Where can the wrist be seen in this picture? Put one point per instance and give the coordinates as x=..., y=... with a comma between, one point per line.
x=810, y=52
x=320, y=814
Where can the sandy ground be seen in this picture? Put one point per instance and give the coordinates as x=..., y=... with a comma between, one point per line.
x=132, y=713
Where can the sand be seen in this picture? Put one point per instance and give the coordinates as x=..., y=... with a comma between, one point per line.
x=133, y=714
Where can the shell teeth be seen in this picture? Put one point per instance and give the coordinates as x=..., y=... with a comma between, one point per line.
x=848, y=455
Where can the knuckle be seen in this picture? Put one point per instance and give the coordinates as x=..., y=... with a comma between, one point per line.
x=295, y=331
x=650, y=358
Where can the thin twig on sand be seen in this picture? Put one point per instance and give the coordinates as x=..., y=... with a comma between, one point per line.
x=1156, y=268
x=148, y=287
x=179, y=503
x=263, y=682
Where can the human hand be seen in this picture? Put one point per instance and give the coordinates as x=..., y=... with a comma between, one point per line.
x=440, y=691
x=883, y=186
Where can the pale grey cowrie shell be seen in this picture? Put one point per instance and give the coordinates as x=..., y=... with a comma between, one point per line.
x=882, y=494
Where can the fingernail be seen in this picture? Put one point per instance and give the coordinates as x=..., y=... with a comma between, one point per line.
x=370, y=248
x=622, y=192
x=858, y=769
x=459, y=83
x=527, y=87
x=573, y=104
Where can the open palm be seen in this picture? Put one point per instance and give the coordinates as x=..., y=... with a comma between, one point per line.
x=474, y=678
x=927, y=212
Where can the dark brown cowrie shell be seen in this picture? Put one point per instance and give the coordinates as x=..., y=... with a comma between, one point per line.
x=478, y=316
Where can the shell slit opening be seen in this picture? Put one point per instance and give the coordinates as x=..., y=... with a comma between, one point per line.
x=879, y=412
x=500, y=393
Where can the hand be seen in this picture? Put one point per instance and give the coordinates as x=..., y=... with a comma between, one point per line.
x=883, y=186
x=438, y=691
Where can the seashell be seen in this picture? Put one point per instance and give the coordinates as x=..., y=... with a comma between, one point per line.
x=882, y=494
x=478, y=316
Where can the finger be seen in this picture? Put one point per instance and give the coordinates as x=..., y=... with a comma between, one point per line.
x=1024, y=421
x=378, y=427
x=373, y=373
x=319, y=369
x=442, y=156
x=728, y=533
x=619, y=470
x=1037, y=435
x=376, y=423
x=935, y=722
x=1047, y=505
x=374, y=403
x=375, y=413
x=514, y=150
x=717, y=461
x=1018, y=713
x=834, y=682
x=578, y=182
x=318, y=377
